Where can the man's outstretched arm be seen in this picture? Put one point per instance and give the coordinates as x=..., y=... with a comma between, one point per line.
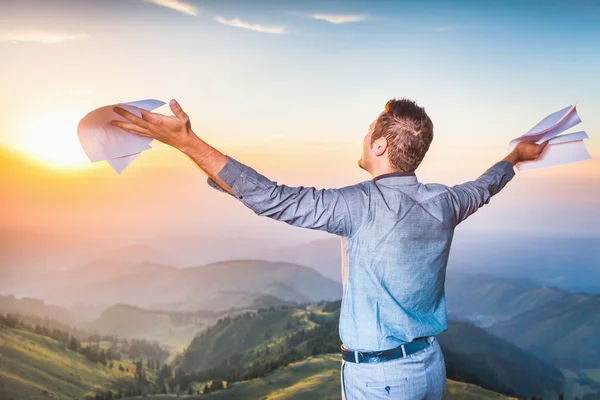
x=306, y=207
x=468, y=197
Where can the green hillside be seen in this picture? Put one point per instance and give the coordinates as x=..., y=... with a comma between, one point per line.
x=34, y=367
x=317, y=377
x=253, y=345
x=245, y=337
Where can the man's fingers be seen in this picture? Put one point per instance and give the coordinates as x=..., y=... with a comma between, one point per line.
x=151, y=117
x=177, y=110
x=131, y=117
x=132, y=128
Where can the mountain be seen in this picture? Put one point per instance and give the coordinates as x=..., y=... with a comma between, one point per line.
x=29, y=305
x=565, y=332
x=476, y=356
x=321, y=255
x=211, y=287
x=28, y=258
x=224, y=300
x=485, y=300
x=167, y=327
x=560, y=327
x=566, y=262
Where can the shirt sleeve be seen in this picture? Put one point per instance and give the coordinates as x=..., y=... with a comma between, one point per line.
x=306, y=207
x=468, y=197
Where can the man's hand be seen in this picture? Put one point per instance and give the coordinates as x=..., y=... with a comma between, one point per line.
x=175, y=130
x=529, y=150
x=526, y=151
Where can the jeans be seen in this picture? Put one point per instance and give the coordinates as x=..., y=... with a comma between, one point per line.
x=418, y=376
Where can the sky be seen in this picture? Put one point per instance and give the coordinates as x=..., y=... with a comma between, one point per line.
x=290, y=88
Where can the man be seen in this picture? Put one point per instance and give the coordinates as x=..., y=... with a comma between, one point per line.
x=396, y=234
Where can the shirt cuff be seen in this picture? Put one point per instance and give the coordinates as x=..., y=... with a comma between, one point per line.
x=230, y=174
x=507, y=167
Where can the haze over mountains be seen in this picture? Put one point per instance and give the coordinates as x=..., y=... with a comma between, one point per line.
x=569, y=263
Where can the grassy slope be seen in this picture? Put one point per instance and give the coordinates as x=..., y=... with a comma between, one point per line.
x=317, y=377
x=30, y=364
x=246, y=335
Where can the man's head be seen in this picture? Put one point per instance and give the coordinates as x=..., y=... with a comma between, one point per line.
x=398, y=138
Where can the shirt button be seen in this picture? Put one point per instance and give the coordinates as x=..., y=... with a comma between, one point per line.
x=240, y=197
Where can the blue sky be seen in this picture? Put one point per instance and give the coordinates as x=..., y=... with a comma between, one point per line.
x=291, y=86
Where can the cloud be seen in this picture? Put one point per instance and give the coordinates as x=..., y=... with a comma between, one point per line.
x=238, y=23
x=177, y=5
x=339, y=18
x=40, y=37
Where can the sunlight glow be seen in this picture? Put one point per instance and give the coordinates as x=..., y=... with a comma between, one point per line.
x=51, y=136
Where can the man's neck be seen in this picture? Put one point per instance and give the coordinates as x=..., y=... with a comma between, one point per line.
x=385, y=171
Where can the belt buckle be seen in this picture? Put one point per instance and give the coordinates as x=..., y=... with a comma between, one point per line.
x=358, y=357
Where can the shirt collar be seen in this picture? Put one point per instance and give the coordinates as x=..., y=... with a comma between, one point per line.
x=397, y=178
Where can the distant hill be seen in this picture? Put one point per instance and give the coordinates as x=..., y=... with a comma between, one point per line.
x=565, y=332
x=322, y=255
x=566, y=262
x=202, y=287
x=29, y=305
x=558, y=326
x=227, y=300
x=167, y=327
x=485, y=300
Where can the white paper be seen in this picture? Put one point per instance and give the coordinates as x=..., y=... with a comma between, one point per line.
x=567, y=137
x=550, y=127
x=563, y=149
x=557, y=154
x=102, y=141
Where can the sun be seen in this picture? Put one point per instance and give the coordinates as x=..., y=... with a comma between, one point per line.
x=51, y=137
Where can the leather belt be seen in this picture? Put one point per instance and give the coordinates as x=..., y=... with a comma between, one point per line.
x=385, y=355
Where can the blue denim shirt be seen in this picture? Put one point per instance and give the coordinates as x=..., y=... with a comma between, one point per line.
x=395, y=234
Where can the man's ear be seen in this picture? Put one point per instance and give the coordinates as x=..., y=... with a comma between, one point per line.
x=380, y=145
